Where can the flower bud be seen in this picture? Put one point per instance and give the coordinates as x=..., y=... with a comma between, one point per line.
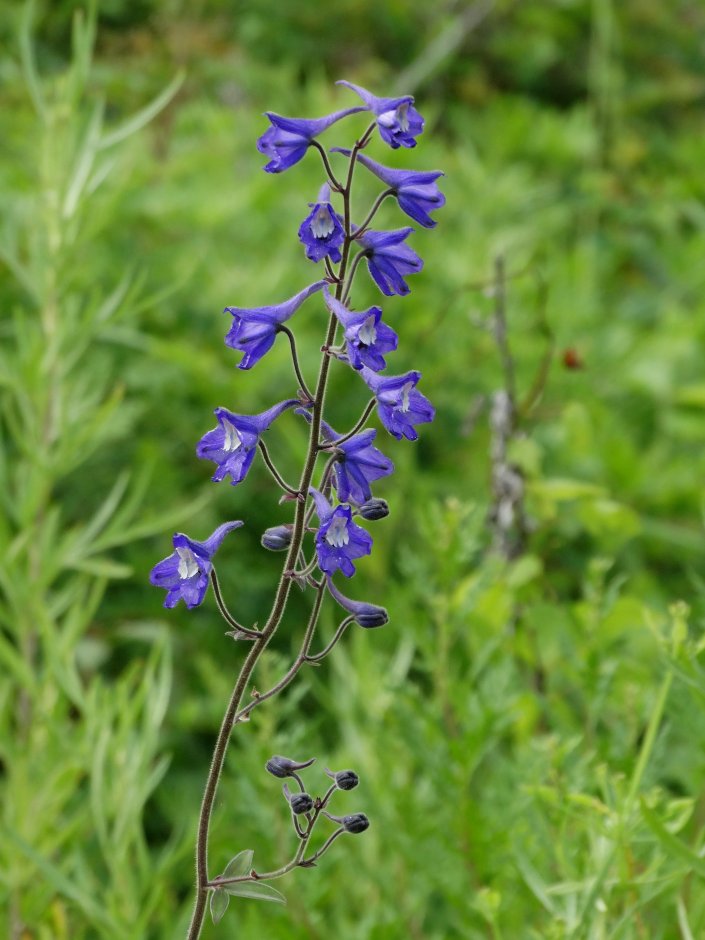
x=284, y=767
x=277, y=538
x=358, y=822
x=374, y=509
x=299, y=802
x=369, y=615
x=344, y=779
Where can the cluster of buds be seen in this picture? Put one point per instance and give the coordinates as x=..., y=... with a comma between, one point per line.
x=302, y=803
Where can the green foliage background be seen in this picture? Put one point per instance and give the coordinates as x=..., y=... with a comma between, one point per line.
x=530, y=735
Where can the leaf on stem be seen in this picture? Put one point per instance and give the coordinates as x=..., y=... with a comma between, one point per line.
x=219, y=904
x=241, y=864
x=254, y=889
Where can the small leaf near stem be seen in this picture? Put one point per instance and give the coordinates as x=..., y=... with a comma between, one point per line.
x=295, y=360
x=317, y=657
x=273, y=470
x=225, y=613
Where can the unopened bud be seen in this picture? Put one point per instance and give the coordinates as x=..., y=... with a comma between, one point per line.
x=358, y=822
x=277, y=538
x=344, y=779
x=284, y=767
x=374, y=509
x=299, y=802
x=370, y=615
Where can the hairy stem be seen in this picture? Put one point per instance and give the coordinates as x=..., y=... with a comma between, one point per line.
x=295, y=360
x=282, y=593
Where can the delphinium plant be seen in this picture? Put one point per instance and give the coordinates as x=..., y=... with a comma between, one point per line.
x=331, y=511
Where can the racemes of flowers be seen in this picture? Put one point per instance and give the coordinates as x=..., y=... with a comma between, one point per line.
x=325, y=539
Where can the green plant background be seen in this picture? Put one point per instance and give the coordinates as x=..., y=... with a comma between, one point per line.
x=530, y=735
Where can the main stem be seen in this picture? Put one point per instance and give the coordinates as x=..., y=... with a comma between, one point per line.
x=280, y=597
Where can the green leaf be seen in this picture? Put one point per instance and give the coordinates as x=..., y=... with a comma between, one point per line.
x=241, y=864
x=144, y=116
x=672, y=844
x=254, y=889
x=219, y=904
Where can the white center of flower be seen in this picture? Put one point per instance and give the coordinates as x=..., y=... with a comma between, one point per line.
x=403, y=116
x=232, y=439
x=187, y=563
x=406, y=390
x=322, y=222
x=367, y=333
x=337, y=534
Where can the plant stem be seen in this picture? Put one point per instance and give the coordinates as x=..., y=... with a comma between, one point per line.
x=326, y=163
x=282, y=593
x=295, y=360
x=338, y=633
x=273, y=470
x=225, y=613
x=369, y=408
x=373, y=212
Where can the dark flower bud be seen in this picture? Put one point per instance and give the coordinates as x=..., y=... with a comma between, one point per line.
x=299, y=802
x=277, y=538
x=344, y=779
x=374, y=509
x=369, y=615
x=355, y=823
x=358, y=822
x=284, y=767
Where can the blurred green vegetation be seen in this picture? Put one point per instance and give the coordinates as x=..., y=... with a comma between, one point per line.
x=530, y=735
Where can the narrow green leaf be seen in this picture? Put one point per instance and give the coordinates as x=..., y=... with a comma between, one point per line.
x=254, y=889
x=219, y=904
x=672, y=844
x=144, y=116
x=241, y=864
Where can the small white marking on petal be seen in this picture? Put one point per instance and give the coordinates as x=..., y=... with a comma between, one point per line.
x=322, y=222
x=337, y=534
x=187, y=563
x=405, y=392
x=403, y=116
x=232, y=439
x=388, y=118
x=367, y=333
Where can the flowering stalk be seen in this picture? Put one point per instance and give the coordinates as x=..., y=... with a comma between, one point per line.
x=352, y=463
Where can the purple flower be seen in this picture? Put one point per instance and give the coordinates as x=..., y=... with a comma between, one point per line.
x=366, y=615
x=398, y=121
x=254, y=329
x=416, y=191
x=366, y=337
x=400, y=405
x=233, y=443
x=358, y=463
x=321, y=231
x=338, y=540
x=184, y=574
x=388, y=260
x=288, y=139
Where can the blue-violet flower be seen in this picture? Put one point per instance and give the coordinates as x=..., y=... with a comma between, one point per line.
x=338, y=540
x=185, y=573
x=400, y=405
x=415, y=190
x=366, y=337
x=398, y=120
x=254, y=329
x=388, y=260
x=366, y=615
x=321, y=232
x=288, y=139
x=232, y=445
